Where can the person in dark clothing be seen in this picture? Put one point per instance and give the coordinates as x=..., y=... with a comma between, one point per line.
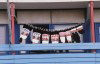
x=75, y=37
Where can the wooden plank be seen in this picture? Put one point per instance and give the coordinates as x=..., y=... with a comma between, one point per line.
x=97, y=62
x=4, y=47
x=97, y=59
x=97, y=54
x=63, y=63
x=67, y=63
x=60, y=63
x=76, y=46
x=30, y=56
x=55, y=47
x=51, y=60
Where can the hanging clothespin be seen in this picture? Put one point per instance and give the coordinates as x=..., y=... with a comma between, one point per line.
x=73, y=30
x=80, y=28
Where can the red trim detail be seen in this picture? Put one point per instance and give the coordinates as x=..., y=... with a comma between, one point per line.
x=12, y=23
x=92, y=23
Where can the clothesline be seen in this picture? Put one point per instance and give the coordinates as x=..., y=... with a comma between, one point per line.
x=71, y=34
x=76, y=28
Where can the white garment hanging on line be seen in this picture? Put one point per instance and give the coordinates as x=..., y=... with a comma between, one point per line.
x=45, y=38
x=55, y=39
x=36, y=37
x=62, y=37
x=25, y=32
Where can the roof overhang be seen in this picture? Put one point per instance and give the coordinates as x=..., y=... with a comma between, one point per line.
x=50, y=5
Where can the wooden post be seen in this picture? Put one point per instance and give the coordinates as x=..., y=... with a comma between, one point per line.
x=12, y=7
x=92, y=22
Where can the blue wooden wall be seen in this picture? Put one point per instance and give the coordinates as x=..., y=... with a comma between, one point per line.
x=60, y=58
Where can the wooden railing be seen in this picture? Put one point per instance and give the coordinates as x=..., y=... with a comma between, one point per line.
x=61, y=58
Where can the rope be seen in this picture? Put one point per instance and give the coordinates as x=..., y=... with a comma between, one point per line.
x=52, y=31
